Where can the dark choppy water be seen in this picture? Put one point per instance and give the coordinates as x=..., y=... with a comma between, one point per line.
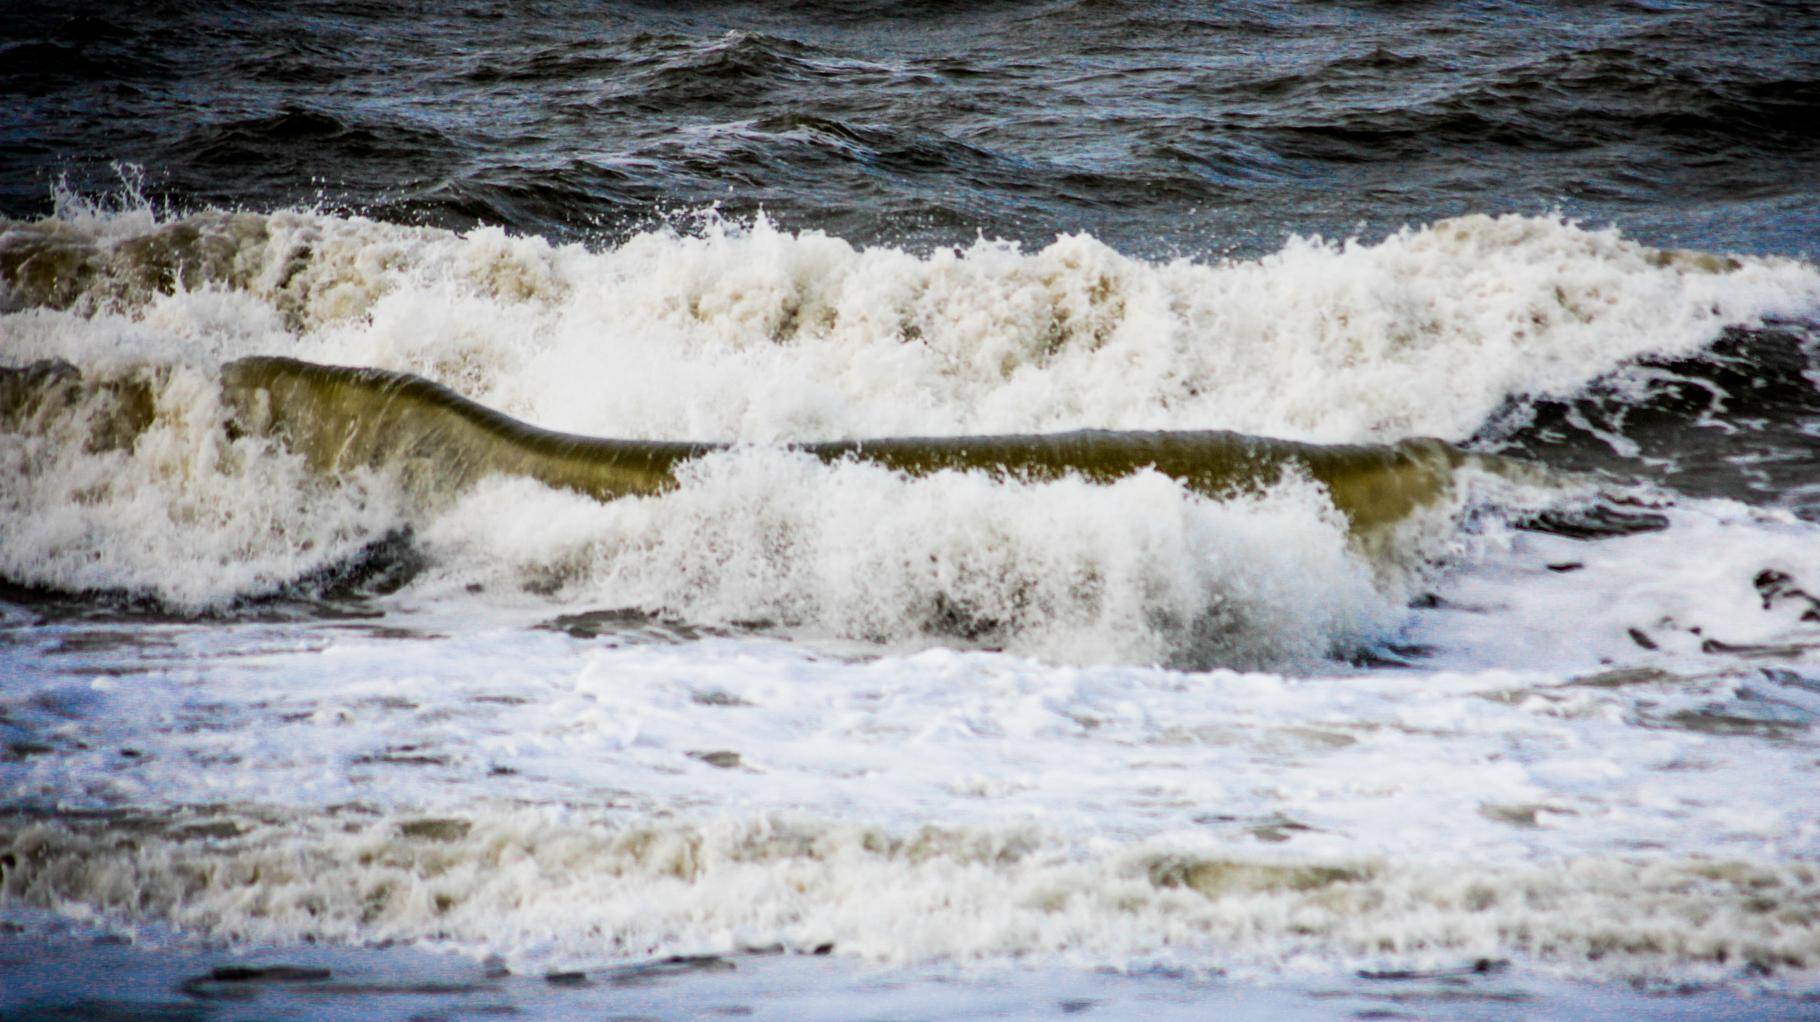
x=1158, y=127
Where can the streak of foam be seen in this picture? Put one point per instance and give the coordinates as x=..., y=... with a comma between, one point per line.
x=540, y=889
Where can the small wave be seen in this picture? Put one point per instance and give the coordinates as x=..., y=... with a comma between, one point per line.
x=37, y=66
x=672, y=72
x=231, y=140
x=300, y=136
x=1580, y=100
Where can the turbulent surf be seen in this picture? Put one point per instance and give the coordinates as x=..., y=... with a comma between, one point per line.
x=1170, y=504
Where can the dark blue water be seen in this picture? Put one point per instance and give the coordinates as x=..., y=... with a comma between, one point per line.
x=1160, y=127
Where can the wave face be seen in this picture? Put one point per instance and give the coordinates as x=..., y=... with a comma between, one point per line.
x=341, y=419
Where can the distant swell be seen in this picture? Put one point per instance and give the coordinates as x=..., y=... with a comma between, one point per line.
x=1159, y=128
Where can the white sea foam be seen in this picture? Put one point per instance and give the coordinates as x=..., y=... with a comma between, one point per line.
x=1140, y=570
x=185, y=513
x=543, y=891
x=755, y=334
x=564, y=800
x=1540, y=785
x=1721, y=577
x=752, y=334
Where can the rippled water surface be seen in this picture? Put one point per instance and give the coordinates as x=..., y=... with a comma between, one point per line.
x=1160, y=128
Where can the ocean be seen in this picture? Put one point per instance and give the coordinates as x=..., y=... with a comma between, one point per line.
x=905, y=510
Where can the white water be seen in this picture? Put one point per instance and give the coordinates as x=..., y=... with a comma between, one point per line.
x=758, y=335
x=755, y=335
x=723, y=794
x=1541, y=787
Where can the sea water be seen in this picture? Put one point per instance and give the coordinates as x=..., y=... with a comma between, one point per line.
x=805, y=738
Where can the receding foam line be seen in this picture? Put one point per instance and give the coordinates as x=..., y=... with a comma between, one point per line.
x=528, y=886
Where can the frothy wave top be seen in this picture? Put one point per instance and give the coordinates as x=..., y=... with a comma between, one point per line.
x=749, y=333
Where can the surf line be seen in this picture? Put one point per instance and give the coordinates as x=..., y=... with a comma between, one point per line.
x=439, y=443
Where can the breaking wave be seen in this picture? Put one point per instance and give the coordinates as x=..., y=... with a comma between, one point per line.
x=151, y=482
